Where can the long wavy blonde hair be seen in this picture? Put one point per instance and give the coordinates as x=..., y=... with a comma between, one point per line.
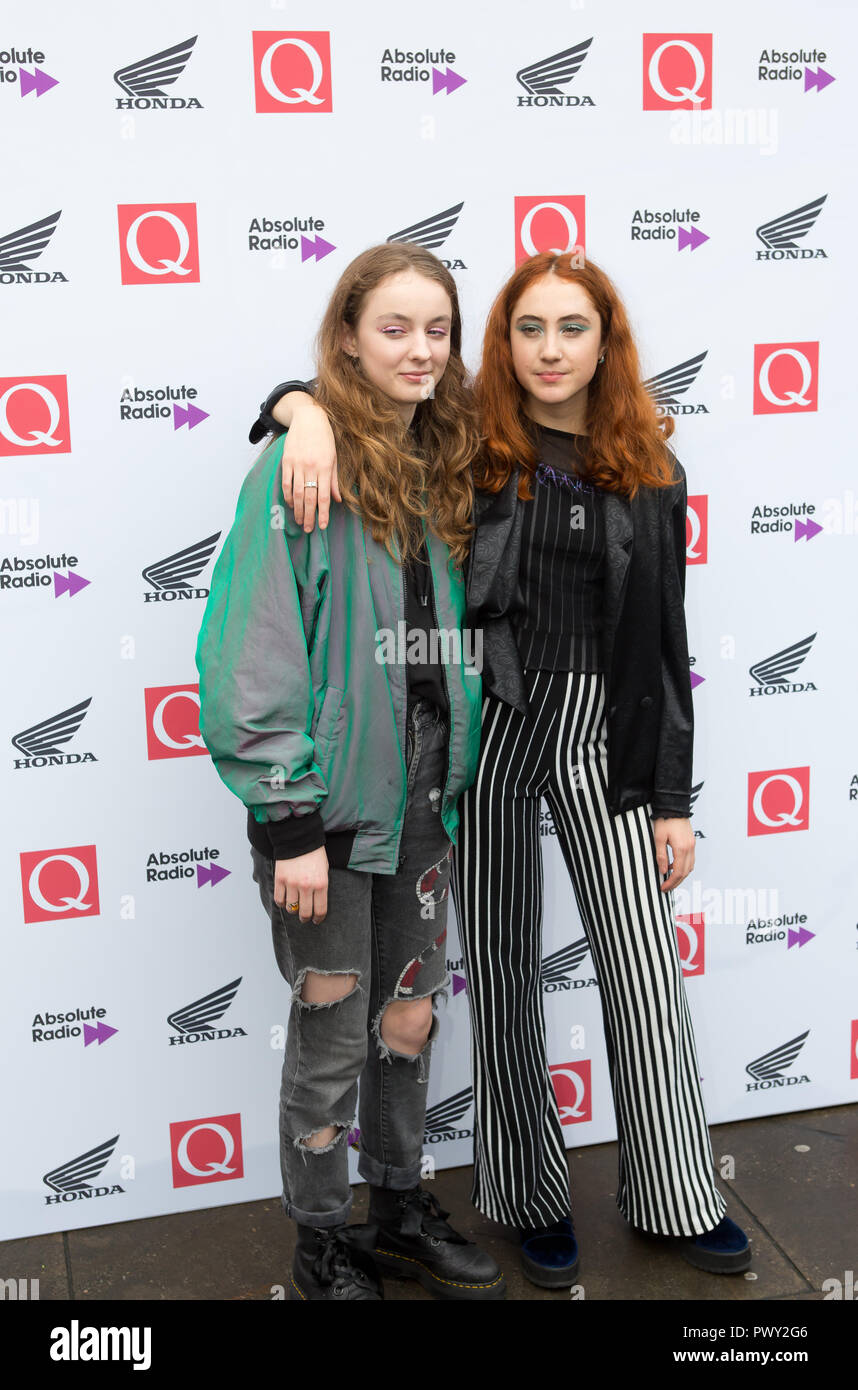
x=389, y=475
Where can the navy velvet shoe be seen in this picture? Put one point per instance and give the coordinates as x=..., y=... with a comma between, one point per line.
x=723, y=1250
x=549, y=1255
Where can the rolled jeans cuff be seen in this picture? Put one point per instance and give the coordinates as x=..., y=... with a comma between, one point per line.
x=320, y=1219
x=385, y=1175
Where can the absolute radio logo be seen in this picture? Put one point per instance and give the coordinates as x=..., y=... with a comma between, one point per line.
x=290, y=234
x=697, y=530
x=795, y=65
x=772, y=674
x=442, y=1119
x=573, y=1091
x=26, y=244
x=778, y=801
x=43, y=744
x=677, y=72
x=787, y=926
x=170, y=579
x=158, y=243
x=34, y=416
x=781, y=235
x=173, y=722
x=651, y=224
x=455, y=969
x=544, y=80
x=14, y=74
x=194, y=1022
x=558, y=967
x=164, y=866
x=788, y=518
x=206, y=1150
x=691, y=938
x=59, y=885
x=144, y=81
x=422, y=65
x=72, y=1181
x=432, y=232
x=786, y=378
x=54, y=1027
x=162, y=403
x=292, y=72
x=42, y=572
x=548, y=223
x=667, y=386
x=768, y=1070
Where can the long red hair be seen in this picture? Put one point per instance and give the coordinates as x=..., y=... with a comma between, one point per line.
x=627, y=445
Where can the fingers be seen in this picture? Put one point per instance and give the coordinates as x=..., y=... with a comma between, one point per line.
x=306, y=901
x=683, y=863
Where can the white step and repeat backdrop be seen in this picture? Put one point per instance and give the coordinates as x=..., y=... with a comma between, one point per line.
x=182, y=185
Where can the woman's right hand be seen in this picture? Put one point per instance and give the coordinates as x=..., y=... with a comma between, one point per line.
x=309, y=453
x=303, y=880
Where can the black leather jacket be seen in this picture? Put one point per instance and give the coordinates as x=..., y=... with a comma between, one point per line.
x=650, y=719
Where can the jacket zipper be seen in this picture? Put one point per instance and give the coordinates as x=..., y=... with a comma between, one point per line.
x=446, y=684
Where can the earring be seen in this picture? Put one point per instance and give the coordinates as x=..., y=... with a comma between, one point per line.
x=602, y=358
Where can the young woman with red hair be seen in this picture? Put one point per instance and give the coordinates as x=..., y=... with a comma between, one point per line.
x=576, y=577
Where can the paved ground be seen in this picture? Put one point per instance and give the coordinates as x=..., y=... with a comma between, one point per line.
x=793, y=1191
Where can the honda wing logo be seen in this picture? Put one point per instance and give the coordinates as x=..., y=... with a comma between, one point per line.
x=441, y=1118
x=783, y=232
x=72, y=1180
x=146, y=77
x=776, y=670
x=47, y=738
x=432, y=231
x=768, y=1070
x=202, y=1013
x=546, y=77
x=175, y=571
x=557, y=967
x=666, y=386
x=27, y=244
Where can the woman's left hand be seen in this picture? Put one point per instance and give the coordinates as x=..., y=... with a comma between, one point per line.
x=676, y=832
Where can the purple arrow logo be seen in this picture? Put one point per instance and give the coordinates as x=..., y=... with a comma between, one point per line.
x=692, y=238
x=799, y=938
x=696, y=680
x=446, y=81
x=353, y=1137
x=189, y=415
x=99, y=1034
x=318, y=247
x=806, y=530
x=818, y=79
x=211, y=873
x=459, y=983
x=70, y=586
x=38, y=82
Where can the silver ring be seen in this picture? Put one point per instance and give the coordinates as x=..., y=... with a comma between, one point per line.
x=310, y=483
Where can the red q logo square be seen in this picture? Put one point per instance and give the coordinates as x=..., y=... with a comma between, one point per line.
x=677, y=72
x=158, y=244
x=697, y=530
x=691, y=936
x=173, y=722
x=548, y=224
x=292, y=72
x=206, y=1150
x=60, y=884
x=573, y=1091
x=786, y=378
x=853, y=1068
x=34, y=416
x=778, y=801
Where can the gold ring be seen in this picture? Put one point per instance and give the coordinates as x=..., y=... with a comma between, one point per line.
x=292, y=907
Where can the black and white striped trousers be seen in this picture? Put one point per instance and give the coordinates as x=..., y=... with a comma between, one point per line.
x=666, y=1181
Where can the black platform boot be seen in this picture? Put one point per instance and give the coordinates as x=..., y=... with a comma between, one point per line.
x=328, y=1266
x=414, y=1241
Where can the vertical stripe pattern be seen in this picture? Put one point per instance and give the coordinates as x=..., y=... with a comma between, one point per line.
x=665, y=1181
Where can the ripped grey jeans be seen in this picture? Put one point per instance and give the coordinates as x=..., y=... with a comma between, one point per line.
x=389, y=930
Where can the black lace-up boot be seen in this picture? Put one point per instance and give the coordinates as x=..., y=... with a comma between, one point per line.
x=414, y=1241
x=328, y=1266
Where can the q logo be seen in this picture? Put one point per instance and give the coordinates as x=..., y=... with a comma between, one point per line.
x=206, y=1150
x=34, y=416
x=173, y=722
x=292, y=72
x=786, y=378
x=548, y=224
x=677, y=72
x=697, y=530
x=572, y=1089
x=691, y=936
x=60, y=884
x=158, y=243
x=778, y=801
